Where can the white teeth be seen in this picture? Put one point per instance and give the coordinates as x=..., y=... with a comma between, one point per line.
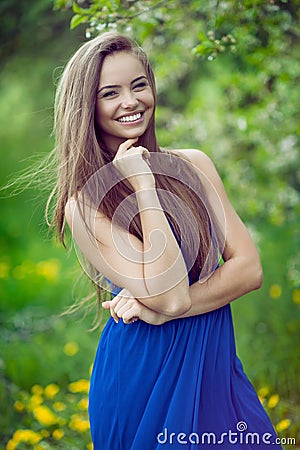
x=130, y=118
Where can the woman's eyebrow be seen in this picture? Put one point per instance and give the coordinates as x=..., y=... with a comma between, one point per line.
x=139, y=78
x=111, y=86
x=108, y=86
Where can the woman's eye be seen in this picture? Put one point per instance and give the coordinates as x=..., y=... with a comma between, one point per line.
x=109, y=94
x=140, y=86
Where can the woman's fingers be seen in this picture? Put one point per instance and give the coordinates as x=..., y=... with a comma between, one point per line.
x=108, y=305
x=127, y=148
x=133, y=163
x=124, y=306
x=126, y=309
x=111, y=305
x=131, y=311
x=126, y=145
x=115, y=305
x=130, y=319
x=131, y=314
x=140, y=150
x=114, y=315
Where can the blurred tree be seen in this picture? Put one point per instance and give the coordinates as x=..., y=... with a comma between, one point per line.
x=228, y=77
x=25, y=23
x=257, y=77
x=228, y=81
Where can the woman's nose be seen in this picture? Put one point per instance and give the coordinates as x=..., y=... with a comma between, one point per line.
x=129, y=100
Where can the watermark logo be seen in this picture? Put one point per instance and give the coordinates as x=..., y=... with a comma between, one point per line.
x=105, y=180
x=240, y=435
x=241, y=426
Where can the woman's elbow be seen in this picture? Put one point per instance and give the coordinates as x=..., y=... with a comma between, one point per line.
x=179, y=306
x=259, y=277
x=257, y=274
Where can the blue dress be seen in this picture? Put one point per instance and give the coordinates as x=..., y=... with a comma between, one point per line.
x=174, y=386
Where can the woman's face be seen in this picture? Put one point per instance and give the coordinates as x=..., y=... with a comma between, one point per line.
x=125, y=101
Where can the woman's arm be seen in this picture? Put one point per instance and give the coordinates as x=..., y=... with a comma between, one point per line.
x=164, y=268
x=241, y=271
x=153, y=271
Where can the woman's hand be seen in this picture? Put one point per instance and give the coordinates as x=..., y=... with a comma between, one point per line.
x=125, y=306
x=131, y=162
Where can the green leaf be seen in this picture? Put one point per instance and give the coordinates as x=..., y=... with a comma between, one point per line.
x=79, y=10
x=76, y=20
x=59, y=4
x=202, y=36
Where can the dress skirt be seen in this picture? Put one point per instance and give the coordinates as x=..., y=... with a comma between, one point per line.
x=179, y=385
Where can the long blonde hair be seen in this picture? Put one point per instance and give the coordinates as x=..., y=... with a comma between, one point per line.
x=81, y=152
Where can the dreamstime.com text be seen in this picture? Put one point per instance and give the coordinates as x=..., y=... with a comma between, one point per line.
x=238, y=436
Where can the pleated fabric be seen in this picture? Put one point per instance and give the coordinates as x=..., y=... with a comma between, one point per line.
x=179, y=385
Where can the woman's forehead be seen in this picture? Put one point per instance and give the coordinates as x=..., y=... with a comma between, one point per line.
x=122, y=67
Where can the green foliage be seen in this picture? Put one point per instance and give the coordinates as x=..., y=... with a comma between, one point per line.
x=26, y=24
x=257, y=81
x=227, y=75
x=51, y=418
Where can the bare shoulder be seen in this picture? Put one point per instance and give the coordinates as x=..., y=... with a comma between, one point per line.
x=84, y=219
x=195, y=156
x=75, y=209
x=200, y=161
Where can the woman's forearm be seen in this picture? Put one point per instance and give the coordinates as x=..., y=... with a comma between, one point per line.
x=219, y=290
x=230, y=281
x=165, y=272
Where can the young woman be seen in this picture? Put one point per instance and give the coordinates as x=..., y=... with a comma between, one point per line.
x=152, y=224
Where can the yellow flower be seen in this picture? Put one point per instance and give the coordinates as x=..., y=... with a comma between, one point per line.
x=77, y=423
x=58, y=434
x=59, y=406
x=19, y=406
x=80, y=386
x=45, y=416
x=283, y=425
x=37, y=389
x=49, y=269
x=275, y=291
x=11, y=445
x=35, y=400
x=296, y=296
x=83, y=404
x=29, y=436
x=273, y=401
x=71, y=348
x=263, y=391
x=90, y=446
x=51, y=390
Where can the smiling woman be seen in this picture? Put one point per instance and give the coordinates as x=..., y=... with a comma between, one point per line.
x=153, y=225
x=125, y=102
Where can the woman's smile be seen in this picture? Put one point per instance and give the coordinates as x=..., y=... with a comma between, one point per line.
x=131, y=119
x=125, y=101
